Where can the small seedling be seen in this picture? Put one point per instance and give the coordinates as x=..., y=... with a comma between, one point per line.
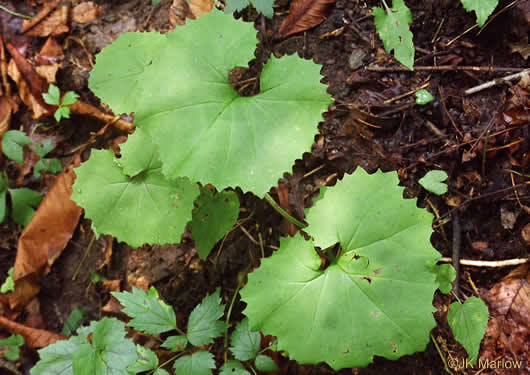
x=53, y=97
x=9, y=283
x=12, y=347
x=423, y=97
x=13, y=142
x=468, y=321
x=74, y=321
x=392, y=25
x=23, y=202
x=433, y=182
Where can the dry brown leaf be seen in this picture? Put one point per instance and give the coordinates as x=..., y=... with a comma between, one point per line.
x=86, y=12
x=35, y=338
x=7, y=108
x=522, y=48
x=182, y=9
x=24, y=93
x=305, y=14
x=54, y=23
x=43, y=13
x=45, y=238
x=51, y=53
x=508, y=332
x=84, y=109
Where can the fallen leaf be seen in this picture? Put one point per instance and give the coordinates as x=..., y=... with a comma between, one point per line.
x=305, y=14
x=522, y=48
x=7, y=108
x=44, y=238
x=34, y=338
x=86, y=12
x=84, y=109
x=508, y=332
x=49, y=23
x=37, y=108
x=182, y=9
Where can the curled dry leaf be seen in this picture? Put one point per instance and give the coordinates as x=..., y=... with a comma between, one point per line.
x=305, y=14
x=86, y=12
x=48, y=21
x=508, y=332
x=84, y=109
x=35, y=338
x=182, y=9
x=44, y=238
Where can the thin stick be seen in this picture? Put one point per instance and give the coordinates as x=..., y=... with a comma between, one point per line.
x=457, y=240
x=484, y=152
x=445, y=68
x=252, y=239
x=408, y=93
x=495, y=82
x=227, y=320
x=487, y=263
x=441, y=354
x=84, y=257
x=282, y=212
x=13, y=13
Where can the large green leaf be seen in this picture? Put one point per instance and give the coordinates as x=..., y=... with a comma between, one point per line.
x=392, y=25
x=213, y=216
x=146, y=208
x=482, y=8
x=262, y=6
x=177, y=85
x=373, y=299
x=199, y=363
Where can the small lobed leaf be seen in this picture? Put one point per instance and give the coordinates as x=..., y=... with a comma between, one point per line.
x=175, y=343
x=262, y=6
x=203, y=323
x=423, y=97
x=433, y=182
x=145, y=208
x=375, y=298
x=212, y=217
x=245, y=343
x=468, y=321
x=182, y=96
x=61, y=112
x=74, y=320
x=23, y=202
x=12, y=143
x=148, y=312
x=9, y=284
x=233, y=367
x=69, y=98
x=53, y=96
x=146, y=361
x=12, y=344
x=482, y=8
x=392, y=25
x=51, y=165
x=446, y=274
x=199, y=363
x=44, y=147
x=265, y=363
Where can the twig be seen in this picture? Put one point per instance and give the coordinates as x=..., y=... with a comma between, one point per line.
x=457, y=240
x=84, y=257
x=13, y=13
x=408, y=93
x=442, y=100
x=252, y=239
x=282, y=212
x=495, y=82
x=484, y=152
x=444, y=68
x=487, y=263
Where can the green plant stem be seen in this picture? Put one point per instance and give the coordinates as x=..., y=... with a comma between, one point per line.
x=284, y=213
x=441, y=354
x=13, y=13
x=227, y=320
x=166, y=362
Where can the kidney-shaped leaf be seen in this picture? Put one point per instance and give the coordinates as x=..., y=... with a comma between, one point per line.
x=373, y=299
x=177, y=85
x=146, y=208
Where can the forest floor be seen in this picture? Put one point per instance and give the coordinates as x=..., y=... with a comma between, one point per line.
x=480, y=140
